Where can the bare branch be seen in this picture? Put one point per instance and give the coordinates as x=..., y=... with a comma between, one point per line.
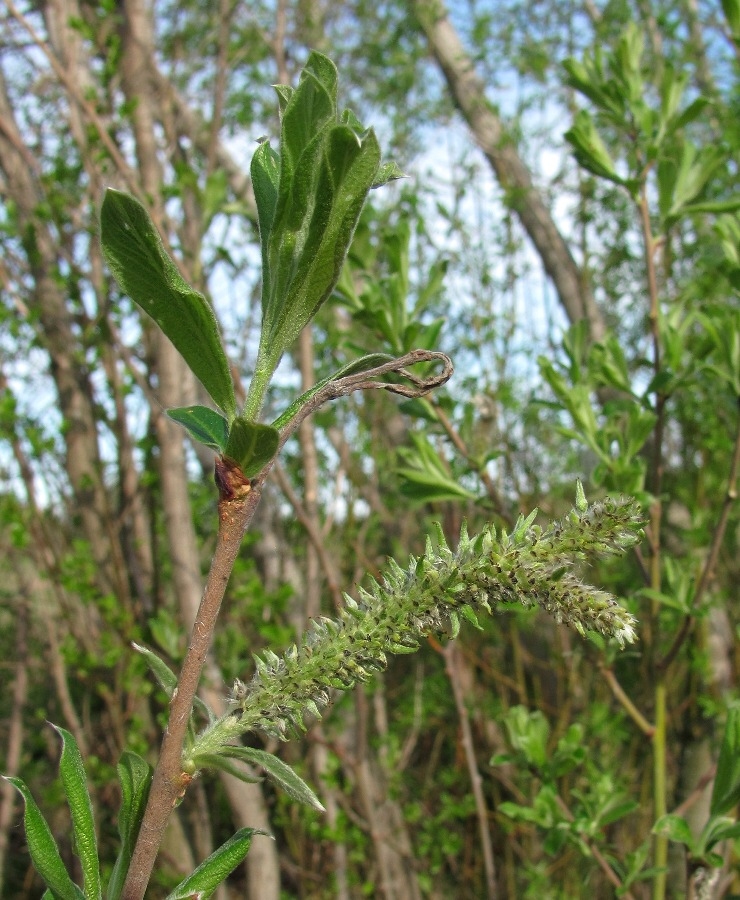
x=363, y=381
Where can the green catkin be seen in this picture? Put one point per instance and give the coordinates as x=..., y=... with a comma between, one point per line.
x=485, y=572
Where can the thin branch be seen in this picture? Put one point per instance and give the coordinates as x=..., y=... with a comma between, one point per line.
x=634, y=713
x=85, y=106
x=697, y=793
x=363, y=381
x=709, y=565
x=452, y=666
x=314, y=534
x=237, y=503
x=461, y=446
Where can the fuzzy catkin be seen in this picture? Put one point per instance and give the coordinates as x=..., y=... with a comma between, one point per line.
x=531, y=566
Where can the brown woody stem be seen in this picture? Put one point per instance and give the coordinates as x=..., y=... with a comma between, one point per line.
x=237, y=503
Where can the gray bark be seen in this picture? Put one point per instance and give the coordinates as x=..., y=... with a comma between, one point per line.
x=468, y=92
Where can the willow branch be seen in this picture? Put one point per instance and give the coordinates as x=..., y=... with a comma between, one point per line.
x=237, y=503
x=84, y=105
x=718, y=537
x=632, y=711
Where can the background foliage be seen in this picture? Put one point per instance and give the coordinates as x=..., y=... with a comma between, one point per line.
x=568, y=233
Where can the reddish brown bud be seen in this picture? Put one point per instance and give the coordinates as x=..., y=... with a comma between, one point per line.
x=230, y=480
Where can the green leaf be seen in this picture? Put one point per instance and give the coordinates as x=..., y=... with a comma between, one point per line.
x=717, y=829
x=731, y=204
x=161, y=671
x=690, y=113
x=167, y=679
x=726, y=791
x=387, y=172
x=203, y=425
x=265, y=172
x=293, y=785
x=528, y=733
x=587, y=77
x=216, y=869
x=43, y=848
x=309, y=242
x=309, y=108
x=74, y=779
x=425, y=475
x=589, y=149
x=327, y=166
x=581, y=502
x=135, y=254
x=251, y=445
x=467, y=613
x=668, y=600
x=681, y=182
x=616, y=811
x=135, y=777
x=675, y=828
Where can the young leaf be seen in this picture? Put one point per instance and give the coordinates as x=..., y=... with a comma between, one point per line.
x=203, y=424
x=214, y=870
x=135, y=777
x=74, y=780
x=251, y=445
x=135, y=254
x=386, y=173
x=43, y=848
x=346, y=170
x=310, y=107
x=265, y=171
x=293, y=785
x=167, y=678
x=161, y=671
x=327, y=166
x=426, y=478
x=675, y=828
x=589, y=149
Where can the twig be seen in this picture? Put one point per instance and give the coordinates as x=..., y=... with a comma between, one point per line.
x=450, y=655
x=314, y=535
x=363, y=381
x=491, y=489
x=238, y=500
x=719, y=534
x=696, y=794
x=85, y=106
x=634, y=713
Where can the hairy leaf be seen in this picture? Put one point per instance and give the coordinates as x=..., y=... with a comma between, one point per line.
x=74, y=780
x=203, y=424
x=135, y=254
x=43, y=848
